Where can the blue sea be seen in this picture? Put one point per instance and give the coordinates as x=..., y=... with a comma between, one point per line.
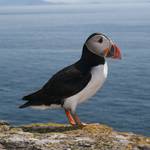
x=36, y=41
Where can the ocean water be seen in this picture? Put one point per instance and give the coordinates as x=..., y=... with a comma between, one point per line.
x=37, y=41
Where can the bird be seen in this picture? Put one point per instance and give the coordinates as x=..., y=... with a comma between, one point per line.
x=78, y=82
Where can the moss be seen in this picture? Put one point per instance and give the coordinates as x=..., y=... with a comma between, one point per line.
x=47, y=128
x=46, y=124
x=94, y=129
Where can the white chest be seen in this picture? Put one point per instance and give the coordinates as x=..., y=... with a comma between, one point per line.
x=99, y=75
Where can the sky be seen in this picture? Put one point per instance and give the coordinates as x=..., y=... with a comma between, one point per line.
x=5, y=2
x=34, y=2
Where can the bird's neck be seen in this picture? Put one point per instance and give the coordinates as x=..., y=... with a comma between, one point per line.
x=90, y=59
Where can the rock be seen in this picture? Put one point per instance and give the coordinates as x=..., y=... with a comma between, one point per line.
x=51, y=136
x=2, y=122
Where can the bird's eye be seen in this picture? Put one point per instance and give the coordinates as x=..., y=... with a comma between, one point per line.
x=100, y=40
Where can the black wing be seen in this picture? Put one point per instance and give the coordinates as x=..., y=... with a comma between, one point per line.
x=67, y=82
x=63, y=84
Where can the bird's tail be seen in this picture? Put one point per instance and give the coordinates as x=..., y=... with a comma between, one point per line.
x=33, y=99
x=27, y=104
x=33, y=96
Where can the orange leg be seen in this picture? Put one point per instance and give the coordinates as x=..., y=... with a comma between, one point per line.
x=70, y=118
x=77, y=119
x=79, y=123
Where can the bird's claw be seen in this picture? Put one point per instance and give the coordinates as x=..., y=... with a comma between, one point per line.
x=82, y=125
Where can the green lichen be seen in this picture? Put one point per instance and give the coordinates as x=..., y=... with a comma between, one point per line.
x=46, y=127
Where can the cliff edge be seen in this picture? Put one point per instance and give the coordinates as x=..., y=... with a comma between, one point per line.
x=52, y=136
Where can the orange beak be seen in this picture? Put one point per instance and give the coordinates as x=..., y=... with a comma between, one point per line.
x=113, y=52
x=117, y=52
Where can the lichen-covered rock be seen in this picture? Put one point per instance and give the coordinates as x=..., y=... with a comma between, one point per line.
x=64, y=137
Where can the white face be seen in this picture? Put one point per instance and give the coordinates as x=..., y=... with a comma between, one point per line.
x=98, y=44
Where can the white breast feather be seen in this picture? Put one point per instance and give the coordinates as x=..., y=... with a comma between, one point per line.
x=99, y=75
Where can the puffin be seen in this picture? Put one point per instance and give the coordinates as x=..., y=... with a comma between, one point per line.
x=78, y=82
